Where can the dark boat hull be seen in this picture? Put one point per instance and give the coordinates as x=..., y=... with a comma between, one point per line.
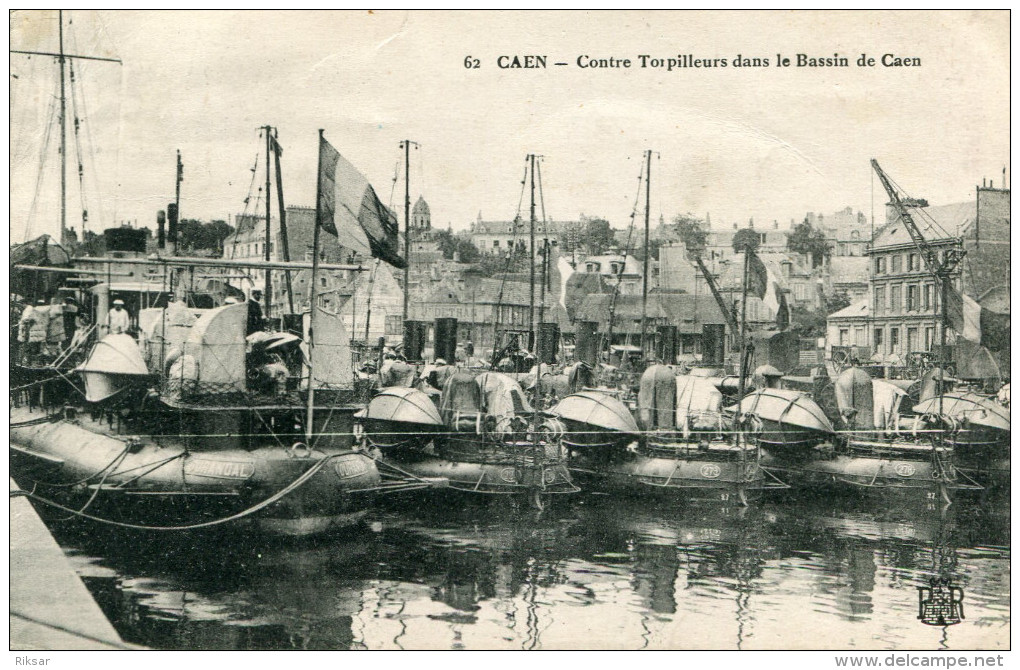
x=694, y=477
x=880, y=473
x=148, y=481
x=491, y=472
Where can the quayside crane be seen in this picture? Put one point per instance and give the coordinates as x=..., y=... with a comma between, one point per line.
x=940, y=266
x=731, y=322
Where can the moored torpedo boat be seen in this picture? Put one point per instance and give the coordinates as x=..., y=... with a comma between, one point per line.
x=205, y=446
x=870, y=451
x=789, y=421
x=685, y=446
x=481, y=439
x=977, y=428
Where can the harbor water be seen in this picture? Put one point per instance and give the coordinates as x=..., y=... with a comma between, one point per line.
x=589, y=572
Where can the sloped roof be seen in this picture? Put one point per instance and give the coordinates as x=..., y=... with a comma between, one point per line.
x=731, y=275
x=523, y=227
x=856, y=310
x=949, y=221
x=676, y=308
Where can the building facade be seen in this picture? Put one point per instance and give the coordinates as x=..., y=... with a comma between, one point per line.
x=497, y=237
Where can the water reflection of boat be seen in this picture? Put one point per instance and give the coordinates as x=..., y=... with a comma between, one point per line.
x=484, y=573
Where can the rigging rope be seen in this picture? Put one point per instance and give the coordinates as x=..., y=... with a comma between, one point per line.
x=623, y=265
x=496, y=320
x=43, y=152
x=279, y=495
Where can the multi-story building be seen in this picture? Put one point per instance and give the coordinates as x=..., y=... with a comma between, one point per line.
x=848, y=233
x=497, y=237
x=615, y=267
x=248, y=243
x=904, y=297
x=902, y=308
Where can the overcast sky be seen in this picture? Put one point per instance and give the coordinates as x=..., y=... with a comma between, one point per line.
x=769, y=143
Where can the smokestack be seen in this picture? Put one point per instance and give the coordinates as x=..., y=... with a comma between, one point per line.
x=161, y=228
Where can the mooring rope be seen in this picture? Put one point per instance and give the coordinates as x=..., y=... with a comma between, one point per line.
x=279, y=495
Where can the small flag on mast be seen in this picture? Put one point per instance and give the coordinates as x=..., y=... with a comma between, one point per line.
x=349, y=208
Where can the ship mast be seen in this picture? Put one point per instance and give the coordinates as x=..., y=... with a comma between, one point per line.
x=406, y=146
x=311, y=295
x=536, y=450
x=63, y=136
x=531, y=249
x=644, y=280
x=269, y=236
x=284, y=242
x=61, y=59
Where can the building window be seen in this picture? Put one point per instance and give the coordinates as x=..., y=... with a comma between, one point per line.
x=912, y=303
x=844, y=335
x=912, y=263
x=929, y=337
x=911, y=339
x=879, y=332
x=495, y=244
x=894, y=339
x=895, y=302
x=880, y=265
x=879, y=299
x=897, y=263
x=927, y=296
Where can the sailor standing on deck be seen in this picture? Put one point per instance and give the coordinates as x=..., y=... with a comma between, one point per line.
x=255, y=320
x=118, y=320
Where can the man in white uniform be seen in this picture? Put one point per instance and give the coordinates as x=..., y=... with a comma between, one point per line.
x=118, y=320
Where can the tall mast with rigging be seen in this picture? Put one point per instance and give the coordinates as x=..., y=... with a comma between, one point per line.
x=311, y=293
x=62, y=58
x=269, y=234
x=644, y=279
x=284, y=242
x=406, y=146
x=63, y=137
x=536, y=450
x=531, y=263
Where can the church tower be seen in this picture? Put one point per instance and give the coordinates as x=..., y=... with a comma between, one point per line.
x=421, y=218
